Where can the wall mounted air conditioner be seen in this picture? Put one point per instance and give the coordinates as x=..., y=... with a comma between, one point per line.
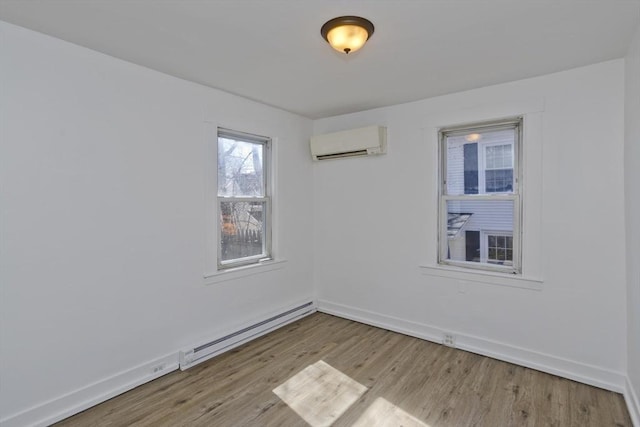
x=349, y=143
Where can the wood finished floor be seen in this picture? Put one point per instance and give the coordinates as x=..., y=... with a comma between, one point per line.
x=431, y=385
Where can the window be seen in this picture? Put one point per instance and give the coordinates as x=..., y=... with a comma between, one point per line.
x=499, y=248
x=498, y=169
x=244, y=202
x=480, y=196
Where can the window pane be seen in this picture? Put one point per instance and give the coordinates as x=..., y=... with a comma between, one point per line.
x=464, y=161
x=242, y=229
x=477, y=231
x=240, y=168
x=466, y=245
x=499, y=157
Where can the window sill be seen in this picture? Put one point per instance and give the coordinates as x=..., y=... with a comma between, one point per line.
x=487, y=277
x=244, y=271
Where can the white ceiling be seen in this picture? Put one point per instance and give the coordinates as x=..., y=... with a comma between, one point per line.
x=271, y=50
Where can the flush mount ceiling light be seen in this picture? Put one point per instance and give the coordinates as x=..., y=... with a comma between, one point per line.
x=473, y=137
x=347, y=33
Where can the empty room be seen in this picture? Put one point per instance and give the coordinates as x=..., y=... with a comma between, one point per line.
x=319, y=213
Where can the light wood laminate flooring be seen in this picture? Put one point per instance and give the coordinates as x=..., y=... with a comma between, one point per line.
x=332, y=371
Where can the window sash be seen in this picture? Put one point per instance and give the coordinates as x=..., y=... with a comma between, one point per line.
x=223, y=179
x=266, y=238
x=514, y=196
x=243, y=136
x=515, y=123
x=443, y=238
x=267, y=223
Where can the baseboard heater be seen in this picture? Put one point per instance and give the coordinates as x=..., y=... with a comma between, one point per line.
x=206, y=351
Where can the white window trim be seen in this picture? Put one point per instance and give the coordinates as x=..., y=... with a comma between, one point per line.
x=515, y=197
x=531, y=109
x=211, y=273
x=482, y=276
x=244, y=271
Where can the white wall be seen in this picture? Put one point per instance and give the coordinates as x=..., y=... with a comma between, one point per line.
x=103, y=210
x=103, y=219
x=632, y=198
x=376, y=224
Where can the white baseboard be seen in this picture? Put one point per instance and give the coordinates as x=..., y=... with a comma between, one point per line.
x=633, y=403
x=573, y=370
x=71, y=403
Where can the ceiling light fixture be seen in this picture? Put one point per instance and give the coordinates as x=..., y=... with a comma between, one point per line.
x=347, y=33
x=473, y=137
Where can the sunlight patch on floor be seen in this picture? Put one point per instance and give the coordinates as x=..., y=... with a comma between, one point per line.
x=383, y=413
x=320, y=393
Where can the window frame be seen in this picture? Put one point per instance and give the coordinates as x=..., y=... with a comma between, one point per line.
x=514, y=197
x=267, y=220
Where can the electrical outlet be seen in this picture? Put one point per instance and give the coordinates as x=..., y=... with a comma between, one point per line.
x=158, y=368
x=449, y=340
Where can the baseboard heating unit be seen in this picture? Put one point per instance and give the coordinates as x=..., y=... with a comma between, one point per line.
x=206, y=351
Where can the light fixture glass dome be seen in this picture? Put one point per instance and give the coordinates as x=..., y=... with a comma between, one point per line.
x=473, y=137
x=347, y=33
x=347, y=38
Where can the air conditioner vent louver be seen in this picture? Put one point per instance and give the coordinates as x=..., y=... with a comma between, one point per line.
x=346, y=154
x=350, y=143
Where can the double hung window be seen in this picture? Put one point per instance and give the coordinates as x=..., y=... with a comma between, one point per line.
x=480, y=198
x=244, y=199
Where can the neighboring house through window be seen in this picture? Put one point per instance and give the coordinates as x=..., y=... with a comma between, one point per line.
x=480, y=196
x=244, y=202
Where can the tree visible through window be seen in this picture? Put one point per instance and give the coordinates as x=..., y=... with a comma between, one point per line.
x=243, y=199
x=480, y=196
